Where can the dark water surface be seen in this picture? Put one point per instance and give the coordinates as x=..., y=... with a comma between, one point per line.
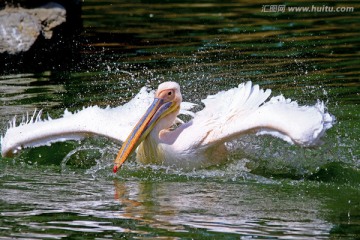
x=267, y=190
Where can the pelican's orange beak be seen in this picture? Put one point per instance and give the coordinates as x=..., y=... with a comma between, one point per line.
x=158, y=109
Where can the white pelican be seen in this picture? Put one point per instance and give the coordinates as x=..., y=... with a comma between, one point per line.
x=197, y=143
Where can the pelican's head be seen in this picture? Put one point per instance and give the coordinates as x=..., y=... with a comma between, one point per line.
x=166, y=102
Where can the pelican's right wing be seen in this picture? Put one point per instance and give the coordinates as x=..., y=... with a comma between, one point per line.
x=115, y=123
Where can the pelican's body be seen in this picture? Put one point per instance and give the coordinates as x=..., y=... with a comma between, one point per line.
x=195, y=144
x=182, y=147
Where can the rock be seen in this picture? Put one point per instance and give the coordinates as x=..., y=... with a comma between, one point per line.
x=41, y=35
x=18, y=32
x=20, y=27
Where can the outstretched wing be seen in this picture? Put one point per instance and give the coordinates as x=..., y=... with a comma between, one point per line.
x=115, y=123
x=238, y=111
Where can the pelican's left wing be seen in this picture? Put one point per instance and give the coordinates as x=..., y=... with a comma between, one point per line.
x=241, y=110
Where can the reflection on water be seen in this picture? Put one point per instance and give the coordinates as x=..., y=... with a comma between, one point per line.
x=68, y=190
x=48, y=207
x=222, y=210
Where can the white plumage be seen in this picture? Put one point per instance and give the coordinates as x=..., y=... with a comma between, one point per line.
x=198, y=143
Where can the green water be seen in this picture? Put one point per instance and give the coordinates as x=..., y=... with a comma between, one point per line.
x=268, y=189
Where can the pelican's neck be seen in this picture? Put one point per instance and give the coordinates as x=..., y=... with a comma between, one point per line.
x=151, y=149
x=163, y=126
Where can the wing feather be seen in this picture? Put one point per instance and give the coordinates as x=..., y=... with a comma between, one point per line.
x=229, y=114
x=114, y=123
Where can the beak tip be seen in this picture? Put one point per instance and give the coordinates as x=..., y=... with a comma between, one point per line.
x=115, y=168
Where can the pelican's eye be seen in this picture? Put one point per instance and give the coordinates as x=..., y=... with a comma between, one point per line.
x=167, y=95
